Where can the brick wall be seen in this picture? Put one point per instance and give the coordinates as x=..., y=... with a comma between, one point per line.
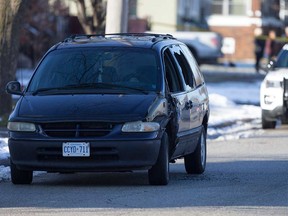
x=244, y=41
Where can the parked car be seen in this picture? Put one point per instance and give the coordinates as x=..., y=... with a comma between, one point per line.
x=118, y=102
x=273, y=99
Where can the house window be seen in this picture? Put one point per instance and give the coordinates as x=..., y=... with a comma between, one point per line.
x=229, y=7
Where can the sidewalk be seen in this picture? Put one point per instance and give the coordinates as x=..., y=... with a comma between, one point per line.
x=226, y=73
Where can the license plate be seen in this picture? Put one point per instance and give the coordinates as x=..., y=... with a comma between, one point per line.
x=76, y=149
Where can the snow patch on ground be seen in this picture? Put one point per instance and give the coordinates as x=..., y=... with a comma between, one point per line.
x=4, y=152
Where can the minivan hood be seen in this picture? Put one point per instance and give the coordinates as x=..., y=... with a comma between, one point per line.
x=111, y=107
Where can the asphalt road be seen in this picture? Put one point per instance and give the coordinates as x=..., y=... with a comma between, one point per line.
x=243, y=177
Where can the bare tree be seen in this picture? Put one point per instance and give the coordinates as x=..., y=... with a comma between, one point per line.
x=10, y=17
x=117, y=16
x=40, y=29
x=93, y=22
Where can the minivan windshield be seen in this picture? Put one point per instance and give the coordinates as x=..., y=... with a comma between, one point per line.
x=81, y=70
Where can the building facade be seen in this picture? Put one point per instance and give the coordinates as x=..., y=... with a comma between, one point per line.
x=238, y=19
x=235, y=20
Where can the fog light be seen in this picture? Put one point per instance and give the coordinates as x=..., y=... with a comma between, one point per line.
x=268, y=99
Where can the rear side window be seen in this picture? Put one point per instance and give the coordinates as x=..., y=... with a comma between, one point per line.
x=199, y=80
x=173, y=76
x=183, y=65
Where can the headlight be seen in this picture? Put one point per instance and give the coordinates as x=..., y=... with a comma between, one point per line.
x=21, y=126
x=140, y=126
x=272, y=84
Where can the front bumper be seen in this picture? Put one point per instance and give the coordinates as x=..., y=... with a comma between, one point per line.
x=271, y=101
x=272, y=115
x=105, y=155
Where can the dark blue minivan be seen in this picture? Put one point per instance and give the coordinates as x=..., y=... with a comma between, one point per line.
x=118, y=102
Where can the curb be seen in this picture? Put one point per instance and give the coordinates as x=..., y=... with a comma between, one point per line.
x=240, y=72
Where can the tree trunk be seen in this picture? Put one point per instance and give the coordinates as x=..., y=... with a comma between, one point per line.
x=94, y=22
x=10, y=17
x=117, y=16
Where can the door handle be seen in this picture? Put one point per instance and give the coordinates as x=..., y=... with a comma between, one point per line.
x=189, y=105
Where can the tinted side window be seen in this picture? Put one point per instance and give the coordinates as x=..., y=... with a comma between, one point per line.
x=184, y=66
x=193, y=64
x=172, y=75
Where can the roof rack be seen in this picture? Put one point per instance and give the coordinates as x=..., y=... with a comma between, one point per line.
x=89, y=36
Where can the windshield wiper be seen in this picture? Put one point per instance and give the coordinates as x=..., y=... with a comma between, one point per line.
x=68, y=87
x=90, y=86
x=101, y=85
x=48, y=89
x=126, y=87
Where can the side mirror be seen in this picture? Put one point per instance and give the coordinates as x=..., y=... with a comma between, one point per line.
x=14, y=87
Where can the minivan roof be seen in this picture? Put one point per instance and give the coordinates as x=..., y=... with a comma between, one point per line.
x=141, y=40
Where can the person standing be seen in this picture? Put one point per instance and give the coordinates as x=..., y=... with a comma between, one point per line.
x=270, y=49
x=259, y=44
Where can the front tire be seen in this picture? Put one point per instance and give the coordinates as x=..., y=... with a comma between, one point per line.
x=268, y=124
x=159, y=173
x=195, y=163
x=20, y=176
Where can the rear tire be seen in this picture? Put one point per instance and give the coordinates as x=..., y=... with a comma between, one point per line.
x=159, y=173
x=20, y=176
x=195, y=163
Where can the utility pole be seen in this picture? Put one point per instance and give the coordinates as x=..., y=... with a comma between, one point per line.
x=117, y=16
